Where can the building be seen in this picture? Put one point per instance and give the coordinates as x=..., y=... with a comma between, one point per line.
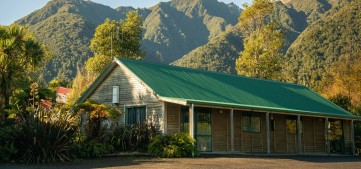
x=62, y=94
x=225, y=113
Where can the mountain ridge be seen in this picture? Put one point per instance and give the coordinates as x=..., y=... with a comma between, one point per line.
x=165, y=38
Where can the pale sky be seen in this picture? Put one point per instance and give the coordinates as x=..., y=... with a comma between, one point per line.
x=12, y=10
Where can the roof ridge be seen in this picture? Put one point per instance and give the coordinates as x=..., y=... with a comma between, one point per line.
x=211, y=72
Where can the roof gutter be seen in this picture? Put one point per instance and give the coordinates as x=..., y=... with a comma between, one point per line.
x=272, y=109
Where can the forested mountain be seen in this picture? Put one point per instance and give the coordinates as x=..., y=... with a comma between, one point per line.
x=202, y=34
x=294, y=16
x=318, y=47
x=66, y=28
x=171, y=29
x=174, y=28
x=218, y=55
x=225, y=48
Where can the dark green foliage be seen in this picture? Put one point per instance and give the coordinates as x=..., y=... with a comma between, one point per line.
x=357, y=131
x=44, y=139
x=342, y=101
x=83, y=148
x=7, y=147
x=132, y=138
x=22, y=96
x=177, y=145
x=97, y=113
x=20, y=56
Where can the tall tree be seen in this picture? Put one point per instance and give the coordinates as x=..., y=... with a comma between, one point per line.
x=262, y=54
x=81, y=82
x=20, y=54
x=344, y=78
x=116, y=39
x=255, y=17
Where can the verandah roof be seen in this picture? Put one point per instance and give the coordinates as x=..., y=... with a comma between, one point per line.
x=203, y=87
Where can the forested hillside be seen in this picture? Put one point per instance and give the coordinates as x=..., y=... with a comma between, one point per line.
x=66, y=27
x=218, y=55
x=171, y=29
x=202, y=34
x=323, y=42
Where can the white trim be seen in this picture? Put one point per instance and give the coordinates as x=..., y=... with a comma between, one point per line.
x=191, y=121
x=170, y=100
x=165, y=120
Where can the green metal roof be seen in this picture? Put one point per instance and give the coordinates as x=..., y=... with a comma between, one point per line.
x=203, y=87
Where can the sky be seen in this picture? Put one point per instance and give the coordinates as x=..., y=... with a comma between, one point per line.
x=12, y=10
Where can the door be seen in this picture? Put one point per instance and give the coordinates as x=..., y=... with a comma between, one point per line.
x=203, y=120
x=184, y=125
x=336, y=136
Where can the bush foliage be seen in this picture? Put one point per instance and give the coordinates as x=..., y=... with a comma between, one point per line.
x=177, y=145
x=45, y=139
x=133, y=138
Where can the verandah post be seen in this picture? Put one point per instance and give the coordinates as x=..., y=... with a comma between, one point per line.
x=268, y=133
x=352, y=138
x=191, y=123
x=232, y=130
x=299, y=134
x=327, y=136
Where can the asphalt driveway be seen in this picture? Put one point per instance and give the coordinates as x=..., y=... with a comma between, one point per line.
x=306, y=162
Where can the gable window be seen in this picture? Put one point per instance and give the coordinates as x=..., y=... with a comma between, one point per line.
x=135, y=115
x=251, y=122
x=291, y=125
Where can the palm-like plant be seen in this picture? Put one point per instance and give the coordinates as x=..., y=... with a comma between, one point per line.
x=20, y=54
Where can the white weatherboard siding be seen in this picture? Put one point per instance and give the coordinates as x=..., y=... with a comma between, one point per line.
x=131, y=92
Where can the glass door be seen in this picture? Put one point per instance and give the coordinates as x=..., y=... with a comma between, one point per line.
x=336, y=136
x=184, y=125
x=203, y=120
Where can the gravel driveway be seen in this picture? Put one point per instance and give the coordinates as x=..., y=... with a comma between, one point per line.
x=306, y=162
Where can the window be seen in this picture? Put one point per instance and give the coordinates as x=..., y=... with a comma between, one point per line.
x=251, y=122
x=135, y=115
x=291, y=125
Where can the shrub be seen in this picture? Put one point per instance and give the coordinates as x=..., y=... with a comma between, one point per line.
x=45, y=139
x=177, y=145
x=7, y=147
x=133, y=138
x=91, y=149
x=97, y=113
